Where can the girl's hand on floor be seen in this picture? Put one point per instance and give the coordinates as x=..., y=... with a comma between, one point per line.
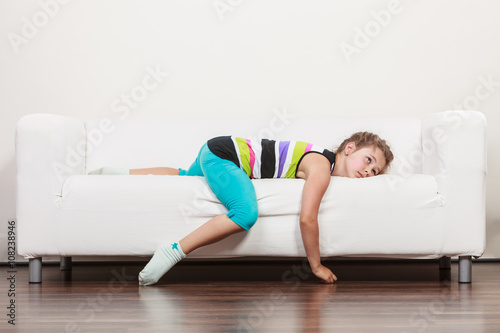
x=325, y=274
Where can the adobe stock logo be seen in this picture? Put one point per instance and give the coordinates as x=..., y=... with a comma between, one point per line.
x=486, y=87
x=39, y=20
x=139, y=92
x=75, y=154
x=222, y=7
x=373, y=28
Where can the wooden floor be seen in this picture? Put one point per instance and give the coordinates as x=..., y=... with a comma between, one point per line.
x=255, y=297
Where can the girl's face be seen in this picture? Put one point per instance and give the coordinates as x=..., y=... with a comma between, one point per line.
x=362, y=162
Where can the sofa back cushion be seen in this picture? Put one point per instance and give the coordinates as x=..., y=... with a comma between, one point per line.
x=150, y=142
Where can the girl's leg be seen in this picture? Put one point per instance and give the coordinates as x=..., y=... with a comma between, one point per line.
x=145, y=171
x=212, y=231
x=234, y=189
x=155, y=171
x=194, y=169
x=167, y=255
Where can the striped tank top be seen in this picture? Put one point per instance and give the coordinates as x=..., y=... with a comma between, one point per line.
x=266, y=158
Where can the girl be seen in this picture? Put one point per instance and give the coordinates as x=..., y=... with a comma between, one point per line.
x=228, y=163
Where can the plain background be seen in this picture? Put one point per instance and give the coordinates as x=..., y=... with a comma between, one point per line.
x=240, y=57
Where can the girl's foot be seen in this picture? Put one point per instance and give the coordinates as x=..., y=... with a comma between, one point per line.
x=164, y=258
x=110, y=171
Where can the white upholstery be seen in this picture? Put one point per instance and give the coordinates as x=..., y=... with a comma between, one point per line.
x=430, y=204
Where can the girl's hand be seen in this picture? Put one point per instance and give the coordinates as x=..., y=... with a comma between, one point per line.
x=324, y=274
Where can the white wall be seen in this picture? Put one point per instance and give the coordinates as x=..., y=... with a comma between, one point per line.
x=236, y=57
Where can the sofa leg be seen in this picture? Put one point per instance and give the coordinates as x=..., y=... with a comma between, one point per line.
x=65, y=264
x=465, y=269
x=445, y=262
x=35, y=270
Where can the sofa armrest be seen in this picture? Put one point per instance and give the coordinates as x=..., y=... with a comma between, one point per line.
x=49, y=148
x=454, y=151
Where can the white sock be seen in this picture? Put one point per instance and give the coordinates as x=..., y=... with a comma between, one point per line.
x=110, y=171
x=164, y=258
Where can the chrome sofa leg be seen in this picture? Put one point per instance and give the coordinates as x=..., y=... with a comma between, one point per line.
x=65, y=264
x=445, y=263
x=465, y=269
x=35, y=270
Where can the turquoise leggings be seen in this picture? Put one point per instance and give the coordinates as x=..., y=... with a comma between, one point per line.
x=229, y=183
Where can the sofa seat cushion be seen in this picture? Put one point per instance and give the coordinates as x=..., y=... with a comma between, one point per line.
x=388, y=215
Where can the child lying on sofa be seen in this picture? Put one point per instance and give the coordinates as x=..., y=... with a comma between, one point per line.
x=228, y=163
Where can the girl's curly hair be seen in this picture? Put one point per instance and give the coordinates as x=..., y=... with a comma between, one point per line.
x=368, y=139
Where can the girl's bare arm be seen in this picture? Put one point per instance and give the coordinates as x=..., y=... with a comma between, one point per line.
x=315, y=169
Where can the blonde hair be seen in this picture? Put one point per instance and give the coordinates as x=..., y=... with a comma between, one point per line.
x=368, y=139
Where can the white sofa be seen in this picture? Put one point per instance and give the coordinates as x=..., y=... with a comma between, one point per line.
x=430, y=205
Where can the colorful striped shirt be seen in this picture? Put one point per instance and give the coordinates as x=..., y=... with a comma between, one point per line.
x=266, y=158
